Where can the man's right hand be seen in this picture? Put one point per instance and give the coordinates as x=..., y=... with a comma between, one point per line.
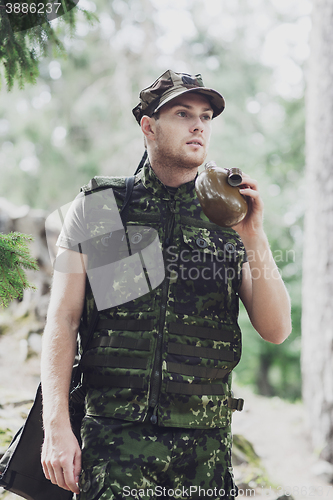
x=61, y=458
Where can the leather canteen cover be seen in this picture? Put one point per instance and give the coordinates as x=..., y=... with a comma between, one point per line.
x=220, y=200
x=21, y=469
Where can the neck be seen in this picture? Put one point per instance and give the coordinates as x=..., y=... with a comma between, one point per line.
x=173, y=175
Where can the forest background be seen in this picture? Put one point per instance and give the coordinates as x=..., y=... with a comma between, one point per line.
x=76, y=122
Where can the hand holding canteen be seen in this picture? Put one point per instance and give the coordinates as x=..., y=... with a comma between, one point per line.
x=219, y=195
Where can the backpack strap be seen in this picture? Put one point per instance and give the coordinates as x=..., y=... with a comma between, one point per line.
x=101, y=182
x=129, y=185
x=142, y=162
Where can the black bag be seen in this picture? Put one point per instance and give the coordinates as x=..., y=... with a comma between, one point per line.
x=21, y=470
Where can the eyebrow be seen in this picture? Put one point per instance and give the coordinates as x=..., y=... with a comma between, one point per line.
x=174, y=105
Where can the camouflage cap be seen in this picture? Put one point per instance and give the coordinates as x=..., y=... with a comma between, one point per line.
x=171, y=85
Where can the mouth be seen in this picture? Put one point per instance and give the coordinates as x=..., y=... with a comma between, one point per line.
x=195, y=143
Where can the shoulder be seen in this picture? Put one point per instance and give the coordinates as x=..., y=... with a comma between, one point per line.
x=104, y=182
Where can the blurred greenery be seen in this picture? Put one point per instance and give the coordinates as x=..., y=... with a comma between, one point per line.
x=76, y=122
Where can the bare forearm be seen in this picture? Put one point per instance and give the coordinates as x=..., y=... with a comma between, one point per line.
x=262, y=291
x=268, y=305
x=59, y=344
x=61, y=454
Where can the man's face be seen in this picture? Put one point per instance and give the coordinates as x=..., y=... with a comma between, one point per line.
x=183, y=131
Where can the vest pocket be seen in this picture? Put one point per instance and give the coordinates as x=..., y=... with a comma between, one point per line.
x=206, y=274
x=92, y=482
x=198, y=358
x=119, y=360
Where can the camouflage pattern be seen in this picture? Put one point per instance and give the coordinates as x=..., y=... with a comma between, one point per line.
x=171, y=85
x=140, y=460
x=180, y=360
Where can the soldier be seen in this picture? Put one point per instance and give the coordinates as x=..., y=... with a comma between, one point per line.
x=158, y=371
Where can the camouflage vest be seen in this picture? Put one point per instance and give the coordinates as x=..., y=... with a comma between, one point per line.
x=174, y=347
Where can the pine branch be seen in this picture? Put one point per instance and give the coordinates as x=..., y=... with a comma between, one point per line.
x=14, y=258
x=26, y=37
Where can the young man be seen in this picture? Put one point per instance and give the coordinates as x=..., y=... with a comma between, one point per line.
x=158, y=373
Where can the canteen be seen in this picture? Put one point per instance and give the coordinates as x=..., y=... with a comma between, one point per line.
x=219, y=196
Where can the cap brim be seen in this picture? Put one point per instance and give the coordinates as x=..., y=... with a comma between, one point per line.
x=215, y=98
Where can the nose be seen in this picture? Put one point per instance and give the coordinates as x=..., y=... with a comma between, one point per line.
x=197, y=125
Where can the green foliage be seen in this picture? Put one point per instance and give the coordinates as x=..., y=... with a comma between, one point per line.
x=14, y=258
x=19, y=62
x=26, y=37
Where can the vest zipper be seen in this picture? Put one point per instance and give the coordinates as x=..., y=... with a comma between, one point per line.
x=156, y=375
x=171, y=223
x=153, y=418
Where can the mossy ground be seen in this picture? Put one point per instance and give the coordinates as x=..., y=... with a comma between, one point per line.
x=248, y=468
x=5, y=438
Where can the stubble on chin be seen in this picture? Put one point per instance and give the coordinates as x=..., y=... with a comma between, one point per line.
x=173, y=157
x=173, y=161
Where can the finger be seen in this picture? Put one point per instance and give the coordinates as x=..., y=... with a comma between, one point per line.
x=48, y=471
x=77, y=466
x=71, y=474
x=60, y=477
x=245, y=176
x=44, y=464
x=247, y=180
x=70, y=481
x=45, y=470
x=249, y=184
x=248, y=191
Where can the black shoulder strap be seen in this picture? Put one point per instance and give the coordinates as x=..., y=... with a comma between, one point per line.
x=142, y=162
x=129, y=183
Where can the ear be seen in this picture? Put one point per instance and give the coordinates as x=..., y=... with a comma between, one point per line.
x=148, y=127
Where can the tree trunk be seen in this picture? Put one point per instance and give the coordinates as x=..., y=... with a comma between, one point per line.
x=317, y=316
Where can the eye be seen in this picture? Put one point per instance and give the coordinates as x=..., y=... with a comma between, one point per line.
x=207, y=117
x=182, y=114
